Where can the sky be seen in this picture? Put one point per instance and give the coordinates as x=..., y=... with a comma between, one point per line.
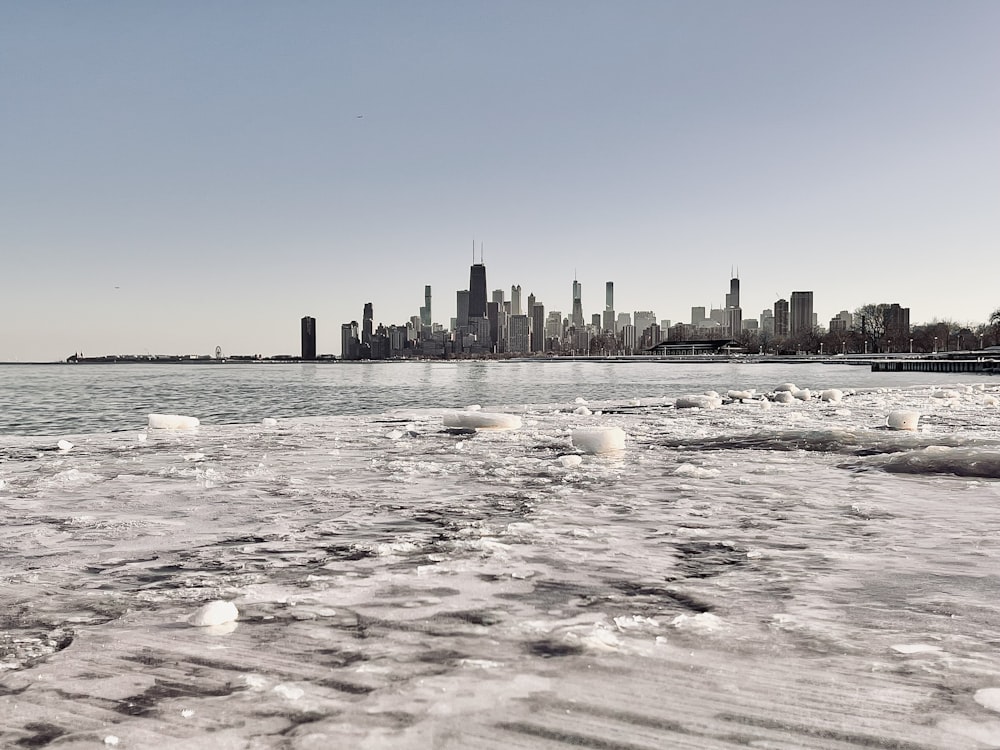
x=176, y=176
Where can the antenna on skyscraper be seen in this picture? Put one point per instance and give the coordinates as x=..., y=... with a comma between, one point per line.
x=481, y=256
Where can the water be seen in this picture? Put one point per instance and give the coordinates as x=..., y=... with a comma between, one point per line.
x=785, y=577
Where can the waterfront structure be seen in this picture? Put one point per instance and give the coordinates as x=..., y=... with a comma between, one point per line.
x=308, y=338
x=350, y=347
x=576, y=317
x=800, y=313
x=518, y=336
x=781, y=317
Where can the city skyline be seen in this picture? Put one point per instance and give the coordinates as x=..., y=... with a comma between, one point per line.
x=163, y=192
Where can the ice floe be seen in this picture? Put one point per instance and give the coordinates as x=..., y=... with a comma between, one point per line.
x=902, y=420
x=480, y=420
x=597, y=440
x=218, y=612
x=172, y=422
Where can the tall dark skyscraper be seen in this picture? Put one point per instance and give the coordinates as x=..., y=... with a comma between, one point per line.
x=308, y=338
x=781, y=317
x=367, y=324
x=425, y=311
x=477, y=291
x=576, y=317
x=800, y=313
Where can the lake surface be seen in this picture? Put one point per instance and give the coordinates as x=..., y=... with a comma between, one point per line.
x=759, y=574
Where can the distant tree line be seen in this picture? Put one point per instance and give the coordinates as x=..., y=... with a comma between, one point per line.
x=873, y=332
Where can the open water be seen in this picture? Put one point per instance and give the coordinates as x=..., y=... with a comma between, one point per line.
x=758, y=575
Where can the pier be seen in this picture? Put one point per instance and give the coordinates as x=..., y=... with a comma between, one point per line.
x=982, y=366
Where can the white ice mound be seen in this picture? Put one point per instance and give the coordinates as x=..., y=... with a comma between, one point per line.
x=583, y=411
x=990, y=401
x=269, y=422
x=740, y=395
x=64, y=445
x=703, y=401
x=945, y=393
x=599, y=439
x=570, y=462
x=481, y=420
x=783, y=397
x=787, y=387
x=214, y=613
x=988, y=698
x=902, y=420
x=804, y=395
x=831, y=395
x=172, y=422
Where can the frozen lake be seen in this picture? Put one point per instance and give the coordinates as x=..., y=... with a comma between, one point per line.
x=760, y=574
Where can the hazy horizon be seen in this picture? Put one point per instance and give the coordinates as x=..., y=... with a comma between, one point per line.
x=183, y=176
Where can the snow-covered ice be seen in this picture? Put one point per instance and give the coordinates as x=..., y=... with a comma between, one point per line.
x=799, y=576
x=172, y=422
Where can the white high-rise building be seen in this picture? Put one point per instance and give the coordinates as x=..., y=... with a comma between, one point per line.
x=515, y=300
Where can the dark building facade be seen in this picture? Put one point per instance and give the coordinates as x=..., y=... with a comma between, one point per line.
x=781, y=317
x=308, y=338
x=477, y=291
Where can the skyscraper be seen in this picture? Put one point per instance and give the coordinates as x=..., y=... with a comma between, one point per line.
x=518, y=339
x=515, y=300
x=733, y=298
x=477, y=291
x=538, y=327
x=734, y=314
x=609, y=295
x=308, y=338
x=425, y=311
x=462, y=299
x=349, y=345
x=576, y=317
x=800, y=313
x=781, y=317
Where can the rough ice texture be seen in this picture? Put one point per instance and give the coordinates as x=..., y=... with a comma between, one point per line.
x=832, y=395
x=64, y=445
x=480, y=420
x=599, y=439
x=787, y=387
x=803, y=395
x=571, y=461
x=902, y=420
x=783, y=397
x=740, y=395
x=269, y=422
x=988, y=698
x=172, y=422
x=214, y=613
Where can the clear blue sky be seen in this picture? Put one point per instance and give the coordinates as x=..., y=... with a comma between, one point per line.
x=180, y=175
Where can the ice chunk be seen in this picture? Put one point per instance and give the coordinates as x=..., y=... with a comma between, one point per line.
x=580, y=400
x=269, y=422
x=990, y=401
x=172, y=422
x=787, y=388
x=697, y=402
x=703, y=622
x=945, y=393
x=902, y=420
x=64, y=445
x=394, y=434
x=291, y=692
x=111, y=740
x=698, y=472
x=599, y=439
x=570, y=462
x=803, y=395
x=916, y=648
x=831, y=395
x=480, y=420
x=583, y=411
x=740, y=395
x=988, y=698
x=214, y=613
x=473, y=407
x=783, y=397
